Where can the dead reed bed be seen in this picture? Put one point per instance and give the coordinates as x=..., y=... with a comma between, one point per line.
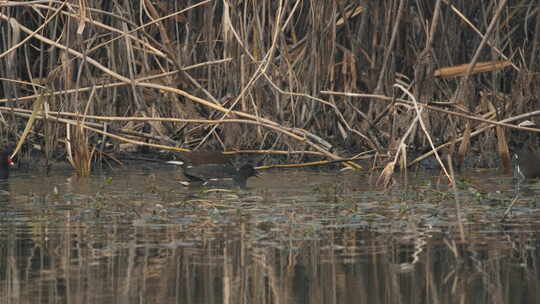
x=304, y=79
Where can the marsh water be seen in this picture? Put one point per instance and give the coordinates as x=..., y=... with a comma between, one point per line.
x=135, y=235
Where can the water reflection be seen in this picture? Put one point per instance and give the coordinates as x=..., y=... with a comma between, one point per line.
x=4, y=191
x=259, y=246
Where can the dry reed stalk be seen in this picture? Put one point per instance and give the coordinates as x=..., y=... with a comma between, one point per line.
x=465, y=144
x=476, y=56
x=503, y=123
x=503, y=150
x=80, y=154
x=81, y=150
x=320, y=163
x=418, y=110
x=38, y=107
x=293, y=133
x=480, y=67
x=50, y=135
x=482, y=35
x=173, y=148
x=279, y=56
x=174, y=90
x=333, y=106
x=261, y=69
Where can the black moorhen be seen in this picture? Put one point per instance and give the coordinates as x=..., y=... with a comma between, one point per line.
x=210, y=172
x=528, y=162
x=204, y=166
x=5, y=163
x=527, y=158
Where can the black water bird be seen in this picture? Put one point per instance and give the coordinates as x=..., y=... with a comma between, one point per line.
x=528, y=162
x=212, y=167
x=208, y=173
x=527, y=158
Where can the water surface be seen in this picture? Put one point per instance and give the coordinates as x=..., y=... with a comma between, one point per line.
x=134, y=235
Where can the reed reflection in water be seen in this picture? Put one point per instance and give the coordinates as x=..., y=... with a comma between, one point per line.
x=126, y=264
x=104, y=240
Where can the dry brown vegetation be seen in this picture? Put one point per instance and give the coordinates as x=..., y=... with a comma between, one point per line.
x=297, y=78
